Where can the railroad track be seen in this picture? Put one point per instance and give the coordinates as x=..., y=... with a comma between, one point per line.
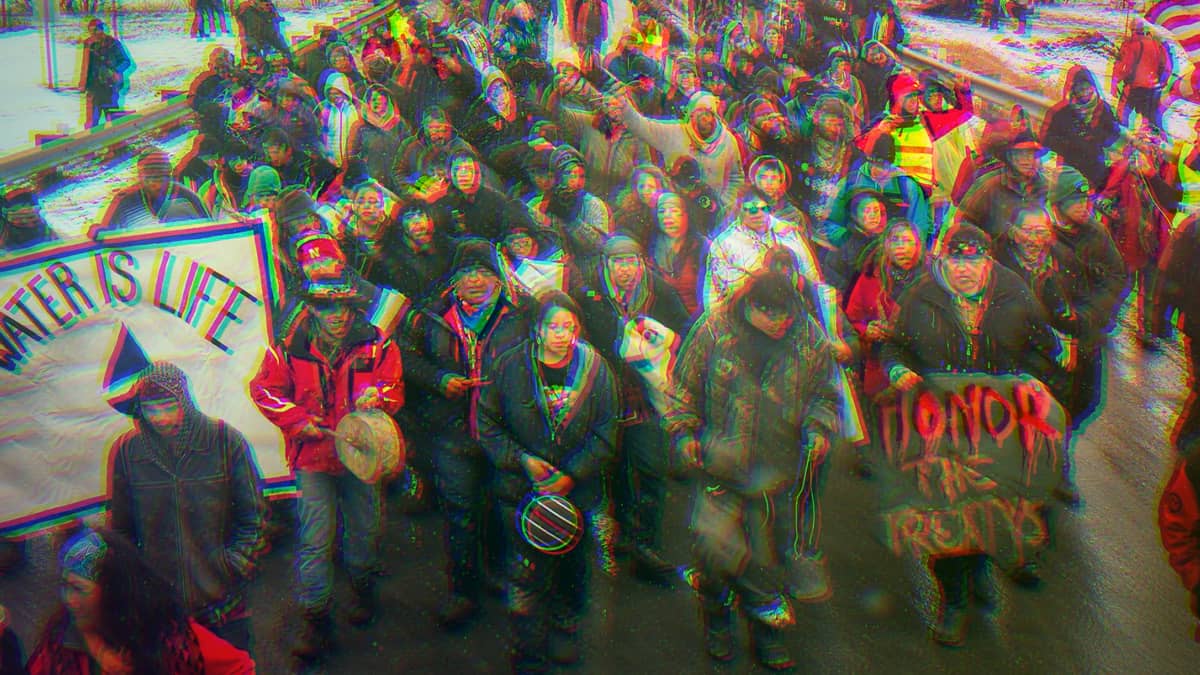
x=46, y=165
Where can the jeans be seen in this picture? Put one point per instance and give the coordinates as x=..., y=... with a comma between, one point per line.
x=545, y=593
x=322, y=494
x=462, y=479
x=952, y=572
x=641, y=488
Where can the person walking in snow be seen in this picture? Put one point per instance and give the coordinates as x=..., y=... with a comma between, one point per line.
x=103, y=74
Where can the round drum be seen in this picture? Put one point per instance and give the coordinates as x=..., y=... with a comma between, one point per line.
x=370, y=445
x=550, y=523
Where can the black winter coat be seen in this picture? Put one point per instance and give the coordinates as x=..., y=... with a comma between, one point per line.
x=1014, y=335
x=434, y=350
x=511, y=422
x=605, y=328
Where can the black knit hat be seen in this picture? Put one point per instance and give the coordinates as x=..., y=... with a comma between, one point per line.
x=772, y=290
x=293, y=205
x=475, y=252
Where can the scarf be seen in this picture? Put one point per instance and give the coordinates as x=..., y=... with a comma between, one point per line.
x=632, y=305
x=560, y=408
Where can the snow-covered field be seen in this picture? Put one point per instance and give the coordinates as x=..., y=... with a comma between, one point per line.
x=164, y=54
x=1058, y=38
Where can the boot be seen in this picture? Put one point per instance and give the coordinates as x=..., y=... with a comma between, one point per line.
x=316, y=635
x=984, y=589
x=718, y=632
x=363, y=602
x=808, y=578
x=456, y=612
x=951, y=630
x=1026, y=575
x=769, y=648
x=651, y=568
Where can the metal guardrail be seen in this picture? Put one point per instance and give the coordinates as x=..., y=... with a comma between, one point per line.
x=40, y=161
x=987, y=88
x=1000, y=94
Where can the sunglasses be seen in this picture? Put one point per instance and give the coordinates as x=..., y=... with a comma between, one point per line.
x=755, y=208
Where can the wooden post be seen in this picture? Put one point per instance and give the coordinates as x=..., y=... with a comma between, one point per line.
x=48, y=39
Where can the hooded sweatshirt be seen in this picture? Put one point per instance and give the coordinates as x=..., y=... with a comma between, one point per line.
x=190, y=502
x=719, y=156
x=1081, y=135
x=337, y=121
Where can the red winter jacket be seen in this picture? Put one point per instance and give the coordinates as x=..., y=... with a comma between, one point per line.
x=296, y=385
x=1179, y=525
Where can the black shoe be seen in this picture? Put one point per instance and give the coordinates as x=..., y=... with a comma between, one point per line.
x=951, y=631
x=363, y=603
x=457, y=612
x=316, y=636
x=564, y=647
x=1026, y=576
x=495, y=584
x=651, y=568
x=718, y=634
x=769, y=648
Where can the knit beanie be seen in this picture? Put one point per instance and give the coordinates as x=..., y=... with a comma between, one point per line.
x=621, y=244
x=475, y=252
x=263, y=180
x=1068, y=186
x=154, y=163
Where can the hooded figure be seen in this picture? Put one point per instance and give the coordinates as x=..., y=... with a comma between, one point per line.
x=626, y=295
x=700, y=134
x=1081, y=128
x=339, y=117
x=185, y=492
x=754, y=406
x=580, y=220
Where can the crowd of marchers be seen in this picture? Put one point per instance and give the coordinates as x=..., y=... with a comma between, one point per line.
x=618, y=269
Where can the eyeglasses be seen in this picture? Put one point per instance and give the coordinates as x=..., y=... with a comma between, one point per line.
x=754, y=207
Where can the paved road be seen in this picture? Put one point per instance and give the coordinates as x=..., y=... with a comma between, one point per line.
x=1110, y=602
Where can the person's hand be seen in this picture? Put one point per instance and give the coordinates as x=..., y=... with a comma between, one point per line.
x=558, y=483
x=907, y=380
x=457, y=386
x=536, y=468
x=888, y=124
x=842, y=351
x=369, y=399
x=690, y=450
x=877, y=330
x=313, y=431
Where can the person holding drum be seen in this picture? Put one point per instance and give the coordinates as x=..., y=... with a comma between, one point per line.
x=548, y=422
x=332, y=365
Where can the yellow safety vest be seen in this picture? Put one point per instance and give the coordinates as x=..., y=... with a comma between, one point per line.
x=1189, y=183
x=914, y=153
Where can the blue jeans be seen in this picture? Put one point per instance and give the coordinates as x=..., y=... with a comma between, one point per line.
x=321, y=495
x=462, y=479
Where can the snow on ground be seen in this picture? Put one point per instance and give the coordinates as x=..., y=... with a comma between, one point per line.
x=164, y=54
x=1059, y=37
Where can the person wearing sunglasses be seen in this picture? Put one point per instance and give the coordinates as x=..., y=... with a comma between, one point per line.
x=739, y=249
x=1082, y=128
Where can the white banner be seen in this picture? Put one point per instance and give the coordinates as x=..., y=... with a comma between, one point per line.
x=77, y=321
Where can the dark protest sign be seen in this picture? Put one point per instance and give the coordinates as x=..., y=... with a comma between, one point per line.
x=965, y=462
